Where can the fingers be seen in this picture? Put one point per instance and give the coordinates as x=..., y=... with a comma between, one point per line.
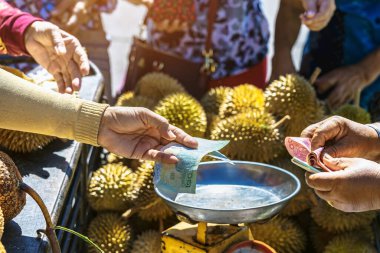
x=327, y=81
x=336, y=164
x=62, y=7
x=58, y=42
x=328, y=130
x=76, y=75
x=81, y=58
x=158, y=156
x=340, y=95
x=311, y=8
x=168, y=131
x=184, y=138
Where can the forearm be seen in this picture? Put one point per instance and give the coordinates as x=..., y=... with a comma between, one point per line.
x=13, y=25
x=288, y=25
x=26, y=107
x=370, y=65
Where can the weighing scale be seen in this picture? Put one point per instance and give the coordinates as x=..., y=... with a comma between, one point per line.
x=228, y=198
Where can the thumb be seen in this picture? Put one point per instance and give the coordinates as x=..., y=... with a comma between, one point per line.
x=323, y=181
x=58, y=42
x=339, y=149
x=310, y=8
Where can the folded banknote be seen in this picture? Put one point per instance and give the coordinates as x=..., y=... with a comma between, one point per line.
x=182, y=177
x=300, y=148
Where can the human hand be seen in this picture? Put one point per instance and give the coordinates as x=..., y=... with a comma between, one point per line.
x=346, y=82
x=318, y=13
x=341, y=137
x=354, y=186
x=138, y=133
x=59, y=53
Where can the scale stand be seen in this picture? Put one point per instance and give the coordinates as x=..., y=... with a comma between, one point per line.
x=210, y=238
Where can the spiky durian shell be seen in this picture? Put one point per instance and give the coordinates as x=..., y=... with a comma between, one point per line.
x=245, y=97
x=144, y=187
x=148, y=241
x=158, y=210
x=214, y=98
x=185, y=112
x=301, y=201
x=335, y=221
x=12, y=199
x=157, y=85
x=320, y=237
x=282, y=234
x=294, y=96
x=349, y=243
x=1, y=223
x=354, y=113
x=251, y=136
x=23, y=142
x=2, y=248
x=111, y=233
x=128, y=99
x=212, y=121
x=110, y=188
x=124, y=97
x=133, y=164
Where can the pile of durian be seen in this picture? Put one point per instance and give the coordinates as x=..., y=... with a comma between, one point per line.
x=130, y=216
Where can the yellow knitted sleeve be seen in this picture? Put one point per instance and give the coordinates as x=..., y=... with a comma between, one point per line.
x=28, y=108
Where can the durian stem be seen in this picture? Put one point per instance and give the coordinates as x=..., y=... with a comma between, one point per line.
x=281, y=121
x=315, y=74
x=49, y=231
x=357, y=97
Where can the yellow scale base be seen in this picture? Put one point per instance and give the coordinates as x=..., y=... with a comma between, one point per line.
x=184, y=238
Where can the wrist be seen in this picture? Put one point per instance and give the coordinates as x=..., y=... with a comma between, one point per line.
x=374, y=141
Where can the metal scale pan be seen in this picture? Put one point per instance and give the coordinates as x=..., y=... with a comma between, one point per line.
x=245, y=192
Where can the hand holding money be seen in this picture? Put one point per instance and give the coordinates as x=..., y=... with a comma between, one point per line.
x=181, y=177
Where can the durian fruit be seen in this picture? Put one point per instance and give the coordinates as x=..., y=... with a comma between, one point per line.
x=253, y=136
x=16, y=72
x=335, y=221
x=294, y=96
x=110, y=232
x=319, y=237
x=349, y=243
x=128, y=99
x=282, y=234
x=157, y=210
x=157, y=85
x=133, y=164
x=2, y=248
x=245, y=97
x=110, y=188
x=354, y=113
x=143, y=188
x=185, y=112
x=214, y=98
x=301, y=202
x=12, y=198
x=148, y=241
x=23, y=142
x=212, y=122
x=1, y=223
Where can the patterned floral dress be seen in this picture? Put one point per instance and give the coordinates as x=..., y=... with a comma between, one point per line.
x=239, y=40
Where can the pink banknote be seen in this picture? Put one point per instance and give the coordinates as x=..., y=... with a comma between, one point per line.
x=301, y=148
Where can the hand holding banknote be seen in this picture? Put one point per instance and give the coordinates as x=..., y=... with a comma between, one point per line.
x=341, y=137
x=181, y=177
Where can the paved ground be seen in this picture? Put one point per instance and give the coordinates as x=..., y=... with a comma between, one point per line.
x=124, y=22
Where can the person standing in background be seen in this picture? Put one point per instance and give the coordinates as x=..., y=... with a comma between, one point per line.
x=82, y=19
x=347, y=50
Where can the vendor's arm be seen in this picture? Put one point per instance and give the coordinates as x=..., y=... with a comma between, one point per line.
x=13, y=25
x=341, y=137
x=348, y=80
x=315, y=14
x=131, y=132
